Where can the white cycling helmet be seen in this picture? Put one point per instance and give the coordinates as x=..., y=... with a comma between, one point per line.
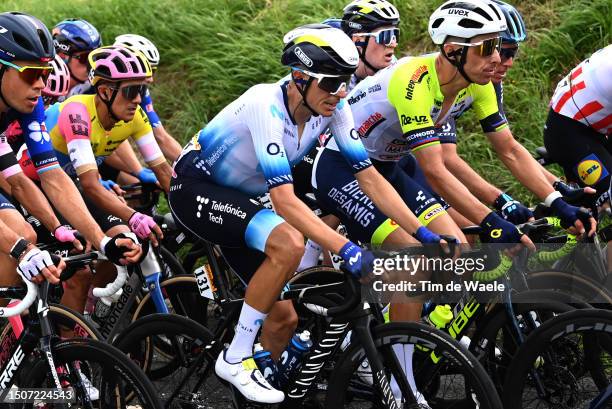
x=465, y=19
x=58, y=82
x=142, y=44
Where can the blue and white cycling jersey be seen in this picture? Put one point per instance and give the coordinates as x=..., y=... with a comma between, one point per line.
x=253, y=142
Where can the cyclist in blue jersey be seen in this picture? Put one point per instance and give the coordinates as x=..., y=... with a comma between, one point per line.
x=246, y=151
x=74, y=39
x=26, y=49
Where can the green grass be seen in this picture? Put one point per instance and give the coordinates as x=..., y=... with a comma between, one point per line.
x=212, y=51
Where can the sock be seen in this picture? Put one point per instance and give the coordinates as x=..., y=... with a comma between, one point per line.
x=404, y=354
x=311, y=255
x=249, y=322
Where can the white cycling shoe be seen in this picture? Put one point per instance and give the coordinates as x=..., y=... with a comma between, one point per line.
x=92, y=391
x=246, y=377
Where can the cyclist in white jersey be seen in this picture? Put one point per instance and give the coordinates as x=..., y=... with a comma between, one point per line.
x=246, y=151
x=579, y=125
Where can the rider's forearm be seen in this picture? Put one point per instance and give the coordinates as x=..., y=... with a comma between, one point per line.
x=64, y=195
x=549, y=176
x=455, y=193
x=483, y=190
x=106, y=200
x=8, y=238
x=168, y=145
x=124, y=158
x=527, y=170
x=163, y=172
x=299, y=216
x=32, y=199
x=386, y=198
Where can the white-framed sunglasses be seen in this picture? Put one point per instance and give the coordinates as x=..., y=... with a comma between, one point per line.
x=386, y=36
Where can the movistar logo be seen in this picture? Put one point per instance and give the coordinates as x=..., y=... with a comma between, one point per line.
x=301, y=55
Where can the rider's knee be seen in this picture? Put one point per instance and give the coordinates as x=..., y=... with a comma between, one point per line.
x=285, y=246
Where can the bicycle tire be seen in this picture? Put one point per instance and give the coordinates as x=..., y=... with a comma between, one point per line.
x=571, y=283
x=171, y=262
x=499, y=340
x=537, y=354
x=339, y=395
x=88, y=355
x=182, y=298
x=137, y=341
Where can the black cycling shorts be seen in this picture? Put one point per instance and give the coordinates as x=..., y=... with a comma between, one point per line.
x=584, y=154
x=225, y=216
x=339, y=193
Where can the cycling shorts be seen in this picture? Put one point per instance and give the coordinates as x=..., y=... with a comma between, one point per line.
x=222, y=215
x=584, y=154
x=339, y=193
x=410, y=165
x=5, y=203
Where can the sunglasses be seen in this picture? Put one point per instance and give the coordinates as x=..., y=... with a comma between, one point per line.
x=507, y=53
x=485, y=47
x=82, y=58
x=132, y=91
x=31, y=73
x=332, y=83
x=384, y=37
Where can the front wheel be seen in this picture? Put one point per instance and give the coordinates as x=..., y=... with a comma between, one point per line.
x=84, y=364
x=456, y=380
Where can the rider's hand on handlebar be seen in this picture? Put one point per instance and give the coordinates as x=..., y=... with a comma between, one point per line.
x=36, y=266
x=145, y=227
x=574, y=218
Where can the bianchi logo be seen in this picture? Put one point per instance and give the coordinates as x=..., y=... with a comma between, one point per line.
x=302, y=57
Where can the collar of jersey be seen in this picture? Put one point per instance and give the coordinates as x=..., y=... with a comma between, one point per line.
x=286, y=100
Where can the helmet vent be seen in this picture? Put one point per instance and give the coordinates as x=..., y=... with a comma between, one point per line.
x=484, y=14
x=22, y=41
x=437, y=23
x=469, y=23
x=119, y=64
x=495, y=12
x=43, y=39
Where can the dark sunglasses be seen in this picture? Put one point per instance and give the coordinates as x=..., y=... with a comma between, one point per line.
x=132, y=91
x=333, y=85
x=484, y=48
x=81, y=58
x=30, y=73
x=507, y=53
x=386, y=36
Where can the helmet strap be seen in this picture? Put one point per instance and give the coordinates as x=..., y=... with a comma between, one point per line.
x=2, y=71
x=109, y=102
x=362, y=55
x=70, y=70
x=303, y=90
x=457, y=58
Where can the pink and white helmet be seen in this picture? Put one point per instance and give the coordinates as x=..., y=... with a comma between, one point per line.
x=58, y=82
x=118, y=63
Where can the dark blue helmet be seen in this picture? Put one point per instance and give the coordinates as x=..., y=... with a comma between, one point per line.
x=333, y=22
x=74, y=35
x=516, y=31
x=24, y=37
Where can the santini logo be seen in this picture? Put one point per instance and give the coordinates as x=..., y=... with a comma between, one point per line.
x=303, y=57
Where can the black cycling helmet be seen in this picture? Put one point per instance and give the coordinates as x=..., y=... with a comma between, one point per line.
x=364, y=16
x=320, y=49
x=24, y=37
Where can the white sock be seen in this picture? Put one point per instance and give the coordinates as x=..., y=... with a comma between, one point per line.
x=249, y=322
x=404, y=353
x=311, y=255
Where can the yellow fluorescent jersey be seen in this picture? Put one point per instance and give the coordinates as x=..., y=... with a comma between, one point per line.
x=82, y=143
x=398, y=109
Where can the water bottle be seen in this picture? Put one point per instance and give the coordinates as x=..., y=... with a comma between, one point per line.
x=266, y=365
x=104, y=306
x=440, y=316
x=291, y=359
